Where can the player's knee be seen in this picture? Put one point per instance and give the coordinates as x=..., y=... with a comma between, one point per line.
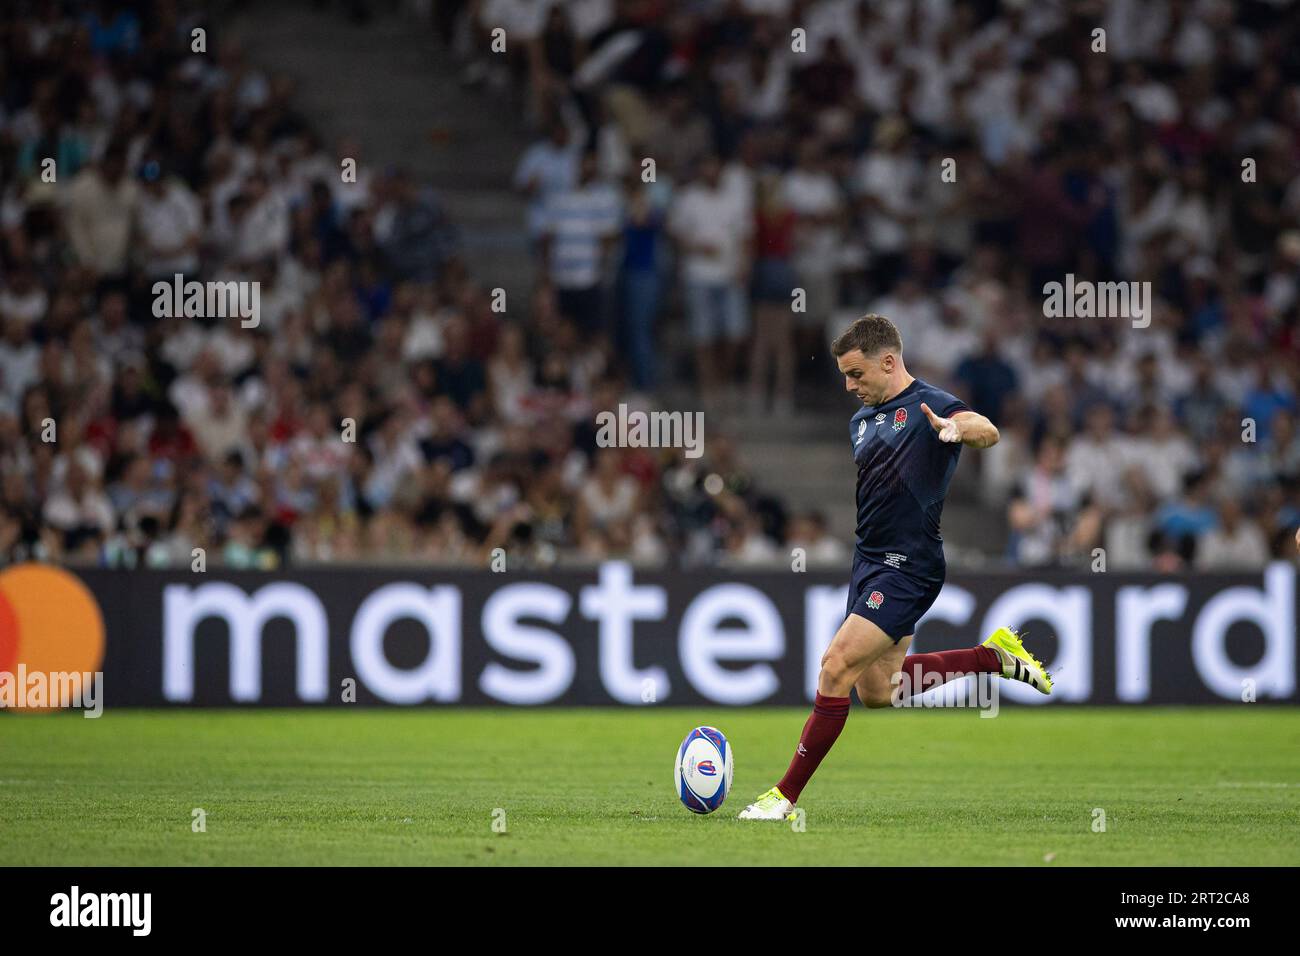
x=836, y=673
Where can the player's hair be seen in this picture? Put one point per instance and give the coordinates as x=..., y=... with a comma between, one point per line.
x=871, y=334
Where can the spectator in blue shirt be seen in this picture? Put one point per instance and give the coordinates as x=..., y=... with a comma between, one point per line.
x=640, y=280
x=988, y=378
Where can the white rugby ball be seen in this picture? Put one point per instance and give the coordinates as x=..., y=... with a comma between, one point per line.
x=705, y=765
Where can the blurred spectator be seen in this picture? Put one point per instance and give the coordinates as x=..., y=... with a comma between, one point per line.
x=100, y=207
x=547, y=169
x=812, y=194
x=79, y=509
x=1049, y=513
x=1165, y=454
x=169, y=221
x=411, y=229
x=606, y=506
x=1186, y=518
x=1096, y=459
x=887, y=180
x=713, y=231
x=579, y=227
x=821, y=549
x=20, y=360
x=1235, y=542
x=641, y=281
x=1129, y=528
x=986, y=376
x=218, y=423
x=775, y=282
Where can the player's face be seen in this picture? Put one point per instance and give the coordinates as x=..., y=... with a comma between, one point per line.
x=867, y=378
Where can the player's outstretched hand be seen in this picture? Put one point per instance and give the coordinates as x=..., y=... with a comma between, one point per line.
x=948, y=429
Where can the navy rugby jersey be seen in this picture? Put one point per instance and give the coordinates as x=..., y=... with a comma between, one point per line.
x=903, y=475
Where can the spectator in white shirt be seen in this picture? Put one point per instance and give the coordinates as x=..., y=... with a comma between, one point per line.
x=264, y=230
x=169, y=219
x=219, y=423
x=20, y=360
x=1236, y=544
x=1128, y=531
x=1165, y=454
x=812, y=193
x=821, y=548
x=1096, y=459
x=1046, y=511
x=547, y=168
x=100, y=205
x=887, y=186
x=22, y=297
x=79, y=508
x=714, y=233
x=607, y=503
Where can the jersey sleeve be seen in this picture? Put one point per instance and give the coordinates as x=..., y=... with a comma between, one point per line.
x=947, y=405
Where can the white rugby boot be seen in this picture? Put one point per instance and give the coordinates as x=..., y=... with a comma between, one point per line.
x=769, y=806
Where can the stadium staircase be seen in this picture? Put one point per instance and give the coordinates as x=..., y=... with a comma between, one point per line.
x=394, y=87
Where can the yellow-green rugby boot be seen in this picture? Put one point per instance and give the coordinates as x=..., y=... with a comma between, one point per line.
x=1018, y=663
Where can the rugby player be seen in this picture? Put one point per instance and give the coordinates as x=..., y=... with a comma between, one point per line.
x=906, y=440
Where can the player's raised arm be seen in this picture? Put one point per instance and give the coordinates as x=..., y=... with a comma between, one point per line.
x=969, y=428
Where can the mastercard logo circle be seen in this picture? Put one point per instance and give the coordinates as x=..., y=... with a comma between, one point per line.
x=50, y=623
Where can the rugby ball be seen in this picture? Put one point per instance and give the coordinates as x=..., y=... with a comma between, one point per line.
x=704, y=768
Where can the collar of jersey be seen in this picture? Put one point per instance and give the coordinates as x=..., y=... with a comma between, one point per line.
x=873, y=409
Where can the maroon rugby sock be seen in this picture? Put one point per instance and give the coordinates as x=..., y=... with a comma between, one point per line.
x=819, y=735
x=920, y=670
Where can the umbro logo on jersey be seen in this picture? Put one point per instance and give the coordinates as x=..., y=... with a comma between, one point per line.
x=880, y=417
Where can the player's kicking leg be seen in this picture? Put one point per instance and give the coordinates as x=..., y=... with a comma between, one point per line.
x=862, y=655
x=1001, y=653
x=857, y=645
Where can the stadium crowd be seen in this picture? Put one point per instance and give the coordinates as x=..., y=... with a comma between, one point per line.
x=940, y=162
x=382, y=410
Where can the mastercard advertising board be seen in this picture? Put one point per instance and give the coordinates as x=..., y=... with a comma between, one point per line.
x=608, y=635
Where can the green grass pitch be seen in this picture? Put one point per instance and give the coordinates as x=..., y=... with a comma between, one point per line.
x=1213, y=786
